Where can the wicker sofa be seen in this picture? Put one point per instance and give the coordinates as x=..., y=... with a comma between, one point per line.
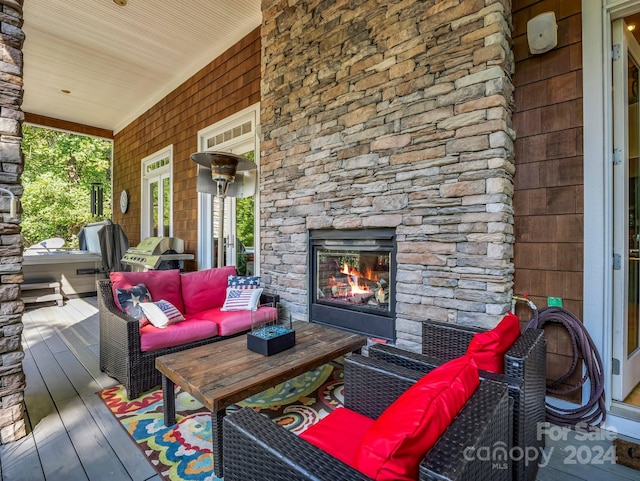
x=525, y=374
x=257, y=449
x=122, y=352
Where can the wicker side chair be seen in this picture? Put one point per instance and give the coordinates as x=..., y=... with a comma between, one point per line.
x=525, y=374
x=120, y=354
x=257, y=449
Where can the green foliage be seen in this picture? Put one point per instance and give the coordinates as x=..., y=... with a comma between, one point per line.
x=245, y=220
x=59, y=170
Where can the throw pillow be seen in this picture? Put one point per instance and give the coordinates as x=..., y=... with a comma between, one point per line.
x=393, y=447
x=161, y=284
x=161, y=313
x=242, y=282
x=242, y=299
x=488, y=348
x=130, y=299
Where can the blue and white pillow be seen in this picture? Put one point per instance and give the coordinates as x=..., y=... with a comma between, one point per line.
x=161, y=313
x=130, y=300
x=242, y=282
x=245, y=299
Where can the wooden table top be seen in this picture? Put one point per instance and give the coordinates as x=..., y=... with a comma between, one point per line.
x=225, y=372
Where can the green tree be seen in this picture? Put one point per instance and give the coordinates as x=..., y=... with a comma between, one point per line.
x=59, y=170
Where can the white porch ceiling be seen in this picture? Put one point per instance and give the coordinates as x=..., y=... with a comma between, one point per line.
x=119, y=61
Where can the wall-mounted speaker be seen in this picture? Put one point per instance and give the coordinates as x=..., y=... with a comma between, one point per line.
x=542, y=33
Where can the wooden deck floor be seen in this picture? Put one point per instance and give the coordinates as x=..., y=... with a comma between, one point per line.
x=73, y=437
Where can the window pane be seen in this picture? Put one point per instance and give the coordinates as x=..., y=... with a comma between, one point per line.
x=166, y=205
x=154, y=208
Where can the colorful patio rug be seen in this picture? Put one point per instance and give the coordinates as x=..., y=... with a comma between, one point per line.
x=183, y=451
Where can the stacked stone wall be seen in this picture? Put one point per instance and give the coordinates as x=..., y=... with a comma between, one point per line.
x=12, y=379
x=392, y=114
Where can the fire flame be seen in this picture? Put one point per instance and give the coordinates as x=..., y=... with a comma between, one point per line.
x=353, y=277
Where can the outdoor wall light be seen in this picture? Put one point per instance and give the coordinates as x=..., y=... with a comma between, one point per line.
x=13, y=206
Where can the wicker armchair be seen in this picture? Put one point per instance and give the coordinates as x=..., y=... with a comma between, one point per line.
x=257, y=449
x=120, y=353
x=525, y=374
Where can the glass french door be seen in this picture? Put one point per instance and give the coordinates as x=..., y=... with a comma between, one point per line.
x=236, y=135
x=240, y=225
x=626, y=217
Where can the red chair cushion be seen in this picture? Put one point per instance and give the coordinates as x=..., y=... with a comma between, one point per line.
x=398, y=440
x=339, y=434
x=203, y=290
x=161, y=284
x=488, y=348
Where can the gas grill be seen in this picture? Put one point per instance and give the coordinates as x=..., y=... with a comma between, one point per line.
x=157, y=253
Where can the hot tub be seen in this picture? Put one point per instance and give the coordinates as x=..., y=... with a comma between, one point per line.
x=75, y=270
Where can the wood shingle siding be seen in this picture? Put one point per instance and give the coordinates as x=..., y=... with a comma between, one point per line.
x=227, y=85
x=548, y=197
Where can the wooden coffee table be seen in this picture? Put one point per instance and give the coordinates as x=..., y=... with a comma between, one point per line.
x=222, y=373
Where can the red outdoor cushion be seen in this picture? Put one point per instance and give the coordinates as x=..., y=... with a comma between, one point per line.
x=396, y=443
x=203, y=290
x=232, y=322
x=339, y=434
x=161, y=284
x=152, y=338
x=488, y=348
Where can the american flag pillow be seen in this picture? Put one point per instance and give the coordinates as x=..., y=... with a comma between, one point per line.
x=161, y=313
x=243, y=282
x=241, y=299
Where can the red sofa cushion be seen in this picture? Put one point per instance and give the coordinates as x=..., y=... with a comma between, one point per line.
x=232, y=322
x=161, y=284
x=339, y=434
x=398, y=440
x=203, y=290
x=488, y=348
x=153, y=338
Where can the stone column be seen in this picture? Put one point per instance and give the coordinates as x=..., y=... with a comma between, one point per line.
x=392, y=114
x=12, y=379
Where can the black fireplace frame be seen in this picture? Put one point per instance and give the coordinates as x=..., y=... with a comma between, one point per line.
x=370, y=324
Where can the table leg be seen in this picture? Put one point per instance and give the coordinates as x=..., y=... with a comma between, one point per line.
x=169, y=401
x=216, y=433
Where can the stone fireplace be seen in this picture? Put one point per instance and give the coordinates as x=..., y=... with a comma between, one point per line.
x=352, y=273
x=391, y=115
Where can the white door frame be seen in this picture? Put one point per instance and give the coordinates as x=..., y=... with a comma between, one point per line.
x=205, y=227
x=598, y=180
x=628, y=373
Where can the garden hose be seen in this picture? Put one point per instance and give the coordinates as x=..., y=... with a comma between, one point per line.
x=593, y=412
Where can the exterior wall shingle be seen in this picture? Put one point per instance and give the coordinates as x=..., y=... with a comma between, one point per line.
x=227, y=85
x=549, y=195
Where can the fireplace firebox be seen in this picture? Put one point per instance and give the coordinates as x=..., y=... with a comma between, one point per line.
x=352, y=280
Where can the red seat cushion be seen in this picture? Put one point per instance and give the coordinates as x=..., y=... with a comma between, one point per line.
x=339, y=434
x=393, y=447
x=161, y=284
x=152, y=338
x=232, y=322
x=203, y=290
x=488, y=348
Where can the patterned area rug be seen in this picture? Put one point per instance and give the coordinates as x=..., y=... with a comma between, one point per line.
x=183, y=451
